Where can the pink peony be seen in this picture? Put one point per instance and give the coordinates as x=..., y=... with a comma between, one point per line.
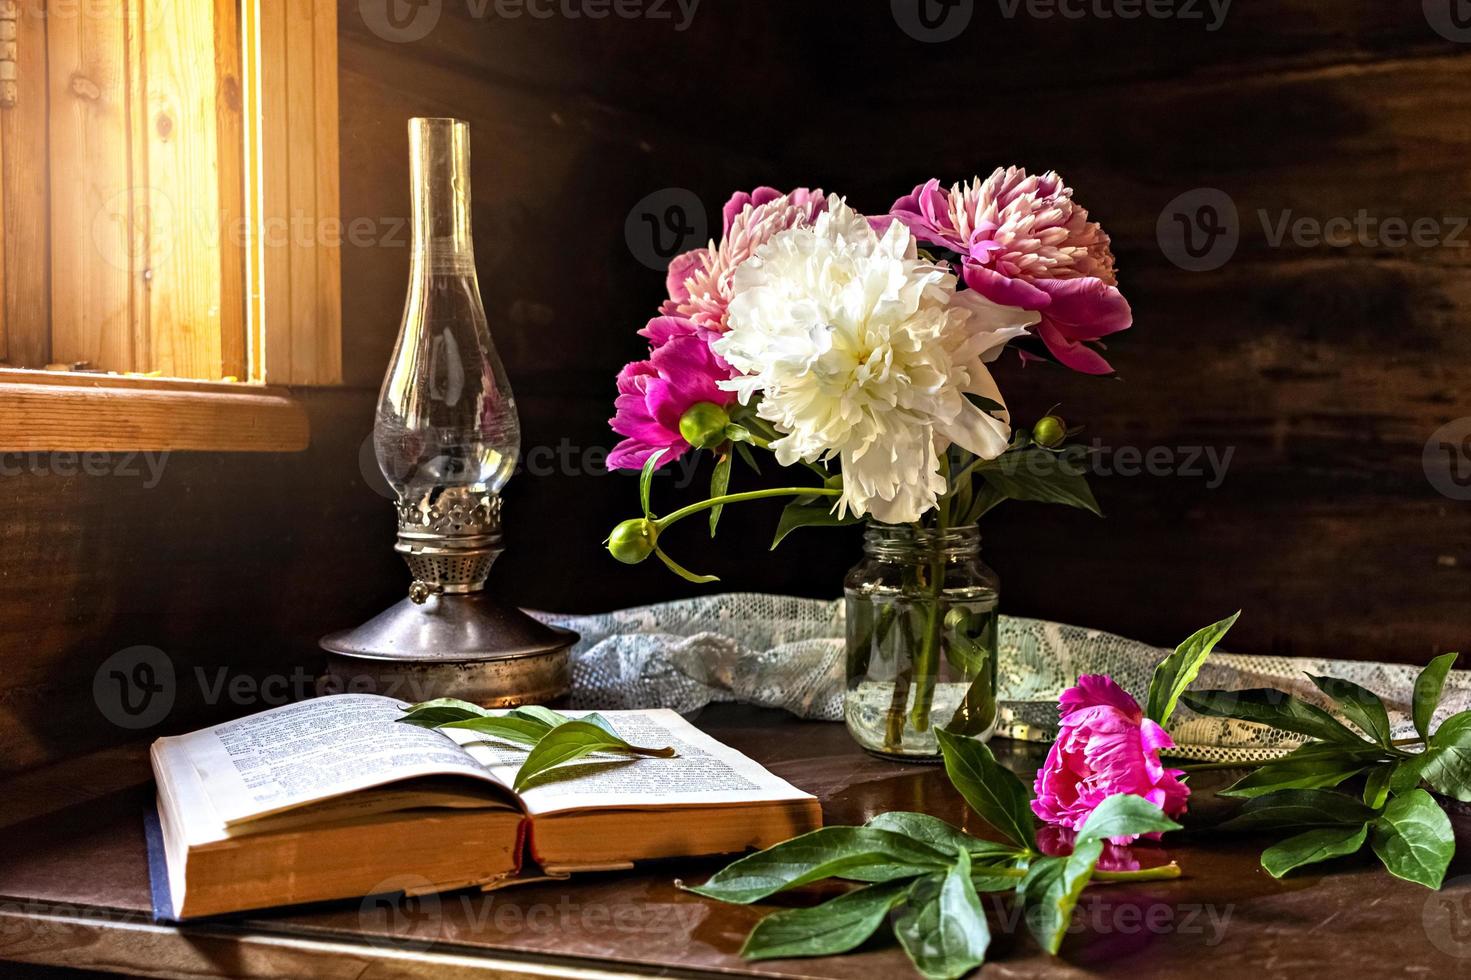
x=1024, y=242
x=653, y=395
x=700, y=281
x=1106, y=747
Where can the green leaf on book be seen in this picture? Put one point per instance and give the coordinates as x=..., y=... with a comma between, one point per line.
x=991, y=789
x=835, y=926
x=574, y=740
x=1268, y=707
x=1414, y=839
x=535, y=712
x=508, y=727
x=441, y=711
x=1360, y=705
x=831, y=852
x=1177, y=671
x=1312, y=847
x=943, y=927
x=1428, y=687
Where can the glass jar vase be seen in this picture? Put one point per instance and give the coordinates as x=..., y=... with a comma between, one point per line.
x=921, y=620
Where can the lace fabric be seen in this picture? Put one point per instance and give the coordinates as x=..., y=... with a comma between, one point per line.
x=784, y=652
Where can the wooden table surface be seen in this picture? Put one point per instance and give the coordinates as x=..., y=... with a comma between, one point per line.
x=74, y=892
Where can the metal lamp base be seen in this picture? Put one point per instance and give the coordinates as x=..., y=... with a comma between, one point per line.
x=467, y=646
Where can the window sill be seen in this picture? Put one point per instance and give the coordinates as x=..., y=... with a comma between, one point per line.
x=44, y=411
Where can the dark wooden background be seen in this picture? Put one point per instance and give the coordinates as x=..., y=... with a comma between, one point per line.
x=1323, y=369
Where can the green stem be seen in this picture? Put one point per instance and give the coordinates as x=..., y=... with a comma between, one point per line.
x=740, y=498
x=1164, y=872
x=926, y=665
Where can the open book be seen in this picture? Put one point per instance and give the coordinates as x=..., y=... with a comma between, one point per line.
x=334, y=798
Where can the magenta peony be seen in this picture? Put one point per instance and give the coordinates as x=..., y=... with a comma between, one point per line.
x=653, y=395
x=1024, y=242
x=700, y=281
x=1106, y=747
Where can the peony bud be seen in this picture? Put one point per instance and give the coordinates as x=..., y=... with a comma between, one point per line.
x=703, y=425
x=1049, y=431
x=632, y=541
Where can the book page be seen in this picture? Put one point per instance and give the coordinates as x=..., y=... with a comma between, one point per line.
x=704, y=772
x=311, y=751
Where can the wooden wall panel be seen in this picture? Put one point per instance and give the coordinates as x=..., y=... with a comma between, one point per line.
x=93, y=196
x=24, y=186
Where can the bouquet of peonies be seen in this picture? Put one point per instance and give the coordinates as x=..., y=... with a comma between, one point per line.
x=859, y=347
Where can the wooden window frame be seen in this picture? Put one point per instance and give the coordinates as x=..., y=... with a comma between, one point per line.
x=289, y=290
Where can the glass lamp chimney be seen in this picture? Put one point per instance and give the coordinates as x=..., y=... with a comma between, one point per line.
x=446, y=433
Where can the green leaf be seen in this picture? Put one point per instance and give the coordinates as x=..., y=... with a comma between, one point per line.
x=943, y=928
x=1377, y=784
x=719, y=484
x=986, y=498
x=1312, y=847
x=441, y=711
x=747, y=457
x=737, y=433
x=1299, y=808
x=1177, y=671
x=1124, y=815
x=1414, y=839
x=820, y=514
x=1051, y=890
x=521, y=730
x=1041, y=476
x=1313, y=765
x=646, y=481
x=1276, y=708
x=1428, y=687
x=573, y=740
x=536, y=712
x=942, y=836
x=992, y=790
x=826, y=853
x=683, y=572
x=1446, y=762
x=1360, y=705
x=835, y=926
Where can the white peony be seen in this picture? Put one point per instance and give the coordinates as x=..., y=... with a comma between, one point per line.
x=863, y=351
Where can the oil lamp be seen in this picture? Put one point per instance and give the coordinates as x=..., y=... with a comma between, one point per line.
x=446, y=437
